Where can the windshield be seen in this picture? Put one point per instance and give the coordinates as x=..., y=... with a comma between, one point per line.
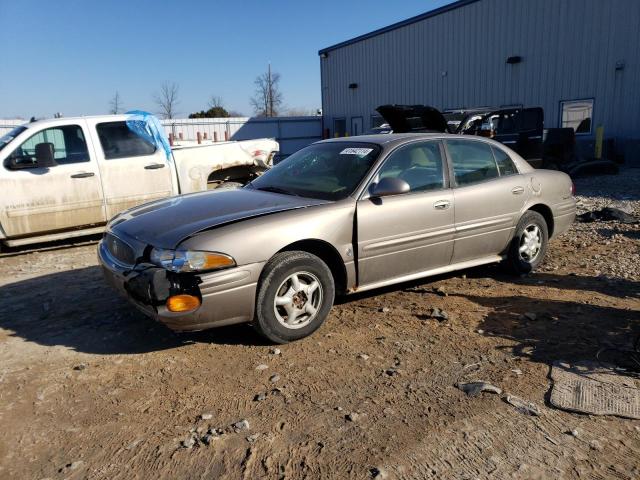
x=329, y=171
x=7, y=137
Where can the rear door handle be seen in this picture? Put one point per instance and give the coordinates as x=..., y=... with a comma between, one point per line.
x=154, y=166
x=83, y=175
x=441, y=204
x=517, y=190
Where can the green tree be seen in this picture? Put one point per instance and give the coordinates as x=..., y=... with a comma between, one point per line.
x=216, y=110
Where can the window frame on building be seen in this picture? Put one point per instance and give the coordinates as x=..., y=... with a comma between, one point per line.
x=562, y=122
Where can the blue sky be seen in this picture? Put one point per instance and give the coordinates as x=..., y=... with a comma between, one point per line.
x=71, y=56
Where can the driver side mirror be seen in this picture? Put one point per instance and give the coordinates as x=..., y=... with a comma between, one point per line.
x=45, y=155
x=389, y=186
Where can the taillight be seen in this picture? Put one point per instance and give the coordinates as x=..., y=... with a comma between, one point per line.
x=573, y=189
x=259, y=153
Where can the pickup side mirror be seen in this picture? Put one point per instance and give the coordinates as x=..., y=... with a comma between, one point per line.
x=44, y=155
x=389, y=186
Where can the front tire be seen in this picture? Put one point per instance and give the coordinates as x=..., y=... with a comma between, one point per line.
x=295, y=294
x=529, y=244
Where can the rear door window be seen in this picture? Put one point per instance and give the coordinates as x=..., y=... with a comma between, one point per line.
x=472, y=162
x=118, y=141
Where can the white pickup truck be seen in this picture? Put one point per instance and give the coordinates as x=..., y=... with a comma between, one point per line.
x=67, y=177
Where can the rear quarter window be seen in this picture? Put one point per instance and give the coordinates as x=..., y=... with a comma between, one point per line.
x=505, y=164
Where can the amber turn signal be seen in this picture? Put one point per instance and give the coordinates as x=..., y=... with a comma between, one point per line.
x=182, y=303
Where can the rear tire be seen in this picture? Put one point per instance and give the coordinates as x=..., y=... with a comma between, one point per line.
x=529, y=244
x=295, y=294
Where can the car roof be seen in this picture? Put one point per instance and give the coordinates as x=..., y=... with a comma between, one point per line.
x=65, y=120
x=386, y=138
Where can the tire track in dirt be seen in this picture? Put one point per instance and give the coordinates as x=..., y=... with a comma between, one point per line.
x=505, y=444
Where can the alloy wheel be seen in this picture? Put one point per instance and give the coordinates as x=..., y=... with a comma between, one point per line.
x=298, y=300
x=530, y=243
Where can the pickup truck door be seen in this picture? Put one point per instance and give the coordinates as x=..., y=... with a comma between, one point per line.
x=67, y=194
x=133, y=171
x=409, y=233
x=521, y=130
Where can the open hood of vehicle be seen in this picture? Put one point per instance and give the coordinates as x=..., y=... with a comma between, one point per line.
x=168, y=222
x=413, y=118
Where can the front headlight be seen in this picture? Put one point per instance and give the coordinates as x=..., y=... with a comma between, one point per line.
x=189, y=260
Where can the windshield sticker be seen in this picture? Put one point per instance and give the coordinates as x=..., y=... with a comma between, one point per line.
x=361, y=152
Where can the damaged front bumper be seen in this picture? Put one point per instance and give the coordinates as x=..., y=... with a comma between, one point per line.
x=227, y=296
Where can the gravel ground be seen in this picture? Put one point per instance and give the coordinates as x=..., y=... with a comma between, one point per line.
x=594, y=243
x=90, y=388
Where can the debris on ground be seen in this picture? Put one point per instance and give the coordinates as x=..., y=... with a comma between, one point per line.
x=595, y=388
x=522, y=406
x=440, y=291
x=241, y=425
x=607, y=214
x=474, y=389
x=352, y=417
x=188, y=442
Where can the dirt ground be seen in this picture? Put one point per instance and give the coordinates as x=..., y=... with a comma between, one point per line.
x=90, y=388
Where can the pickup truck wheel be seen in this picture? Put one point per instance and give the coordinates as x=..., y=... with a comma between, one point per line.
x=529, y=244
x=295, y=294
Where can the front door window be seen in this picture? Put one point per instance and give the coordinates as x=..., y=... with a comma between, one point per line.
x=68, y=143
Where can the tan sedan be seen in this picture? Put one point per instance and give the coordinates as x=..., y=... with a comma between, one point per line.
x=337, y=217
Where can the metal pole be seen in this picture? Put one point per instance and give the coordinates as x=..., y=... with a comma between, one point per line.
x=270, y=94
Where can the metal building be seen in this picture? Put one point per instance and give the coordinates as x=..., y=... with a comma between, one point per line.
x=577, y=59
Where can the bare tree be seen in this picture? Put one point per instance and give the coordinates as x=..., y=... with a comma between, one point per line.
x=115, y=104
x=215, y=102
x=167, y=99
x=268, y=98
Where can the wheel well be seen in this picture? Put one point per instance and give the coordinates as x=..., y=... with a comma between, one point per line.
x=239, y=173
x=547, y=215
x=328, y=254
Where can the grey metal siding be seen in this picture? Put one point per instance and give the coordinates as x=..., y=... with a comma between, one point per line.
x=569, y=50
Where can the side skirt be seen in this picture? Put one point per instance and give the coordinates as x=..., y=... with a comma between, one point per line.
x=428, y=273
x=54, y=236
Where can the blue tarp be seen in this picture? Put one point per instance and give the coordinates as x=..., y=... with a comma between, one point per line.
x=147, y=126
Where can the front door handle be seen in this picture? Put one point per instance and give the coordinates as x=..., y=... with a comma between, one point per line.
x=83, y=175
x=154, y=166
x=517, y=190
x=442, y=204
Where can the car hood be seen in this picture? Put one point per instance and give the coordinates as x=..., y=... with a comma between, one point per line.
x=166, y=223
x=413, y=118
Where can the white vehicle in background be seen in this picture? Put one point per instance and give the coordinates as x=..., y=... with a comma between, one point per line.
x=66, y=177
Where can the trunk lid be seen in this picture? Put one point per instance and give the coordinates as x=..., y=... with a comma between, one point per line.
x=413, y=118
